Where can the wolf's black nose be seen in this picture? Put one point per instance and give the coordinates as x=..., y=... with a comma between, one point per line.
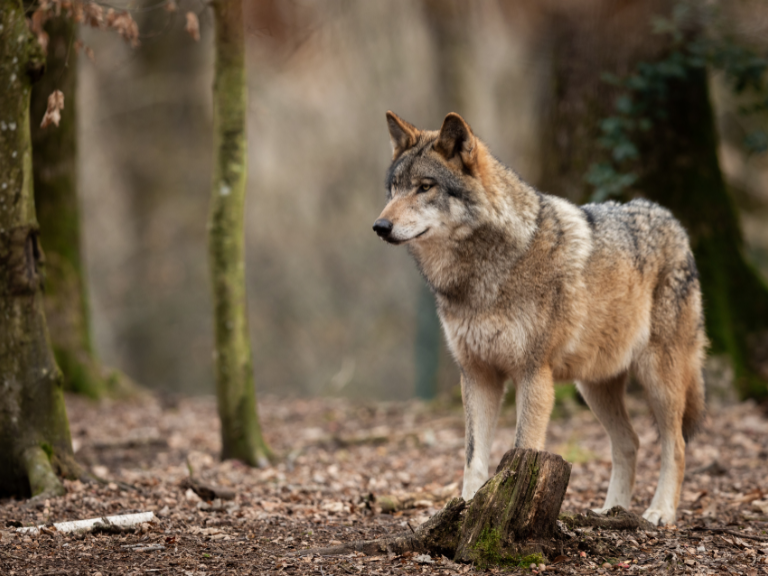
x=382, y=227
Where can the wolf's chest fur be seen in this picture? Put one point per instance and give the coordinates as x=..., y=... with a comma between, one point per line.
x=490, y=338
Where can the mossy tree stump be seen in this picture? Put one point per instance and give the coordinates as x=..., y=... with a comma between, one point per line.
x=515, y=512
x=513, y=515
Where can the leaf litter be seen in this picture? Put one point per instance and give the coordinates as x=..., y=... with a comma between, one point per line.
x=343, y=463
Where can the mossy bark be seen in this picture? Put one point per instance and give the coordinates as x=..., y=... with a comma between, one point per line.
x=236, y=394
x=34, y=431
x=54, y=153
x=679, y=163
x=515, y=513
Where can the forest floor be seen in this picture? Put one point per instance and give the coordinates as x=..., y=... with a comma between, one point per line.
x=338, y=460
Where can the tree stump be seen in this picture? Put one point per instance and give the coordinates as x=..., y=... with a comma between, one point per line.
x=514, y=514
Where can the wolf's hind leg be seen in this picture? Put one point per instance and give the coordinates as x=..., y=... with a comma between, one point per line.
x=482, y=393
x=534, y=400
x=666, y=395
x=606, y=400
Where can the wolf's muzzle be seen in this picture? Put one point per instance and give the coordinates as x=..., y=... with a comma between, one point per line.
x=382, y=227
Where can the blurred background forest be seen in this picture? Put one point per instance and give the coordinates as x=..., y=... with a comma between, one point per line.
x=332, y=310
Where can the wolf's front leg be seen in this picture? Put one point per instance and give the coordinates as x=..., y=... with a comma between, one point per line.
x=534, y=400
x=482, y=393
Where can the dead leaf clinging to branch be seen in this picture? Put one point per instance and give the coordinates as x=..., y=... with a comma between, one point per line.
x=53, y=112
x=125, y=25
x=193, y=26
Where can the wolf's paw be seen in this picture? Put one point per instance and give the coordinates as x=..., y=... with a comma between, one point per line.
x=659, y=517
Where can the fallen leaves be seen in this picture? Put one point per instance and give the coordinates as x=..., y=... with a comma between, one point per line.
x=316, y=496
x=53, y=111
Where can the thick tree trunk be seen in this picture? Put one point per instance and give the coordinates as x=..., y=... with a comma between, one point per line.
x=513, y=515
x=34, y=431
x=680, y=168
x=240, y=428
x=54, y=151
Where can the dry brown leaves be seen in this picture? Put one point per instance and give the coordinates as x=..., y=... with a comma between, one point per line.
x=320, y=493
x=53, y=111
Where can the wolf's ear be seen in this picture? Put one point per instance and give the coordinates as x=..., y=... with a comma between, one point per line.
x=456, y=141
x=402, y=133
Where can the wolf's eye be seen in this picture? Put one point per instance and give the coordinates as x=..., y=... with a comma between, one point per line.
x=424, y=187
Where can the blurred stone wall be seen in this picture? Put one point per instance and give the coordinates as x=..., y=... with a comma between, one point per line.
x=331, y=308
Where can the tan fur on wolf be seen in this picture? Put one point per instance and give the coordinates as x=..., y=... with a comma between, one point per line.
x=531, y=288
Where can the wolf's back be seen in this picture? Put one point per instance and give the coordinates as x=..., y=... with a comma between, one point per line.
x=659, y=246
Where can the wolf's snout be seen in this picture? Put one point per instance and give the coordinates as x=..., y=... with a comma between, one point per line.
x=382, y=227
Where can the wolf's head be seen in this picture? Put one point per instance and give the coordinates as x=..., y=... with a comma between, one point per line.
x=434, y=185
x=452, y=202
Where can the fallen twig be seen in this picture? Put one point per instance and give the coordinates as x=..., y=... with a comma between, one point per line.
x=103, y=523
x=126, y=443
x=730, y=532
x=207, y=492
x=143, y=547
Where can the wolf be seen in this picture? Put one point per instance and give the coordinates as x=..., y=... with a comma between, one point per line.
x=534, y=289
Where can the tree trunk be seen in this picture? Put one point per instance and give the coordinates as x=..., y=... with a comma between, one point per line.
x=34, y=431
x=513, y=515
x=54, y=151
x=680, y=168
x=236, y=394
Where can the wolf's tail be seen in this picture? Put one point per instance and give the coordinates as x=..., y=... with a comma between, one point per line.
x=695, y=405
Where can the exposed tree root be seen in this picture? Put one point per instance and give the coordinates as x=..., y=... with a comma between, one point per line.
x=615, y=519
x=43, y=481
x=437, y=535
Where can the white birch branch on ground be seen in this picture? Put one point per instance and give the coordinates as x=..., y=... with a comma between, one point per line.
x=120, y=521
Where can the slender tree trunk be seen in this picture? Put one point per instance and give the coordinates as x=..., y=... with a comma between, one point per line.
x=240, y=428
x=54, y=151
x=679, y=162
x=34, y=431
